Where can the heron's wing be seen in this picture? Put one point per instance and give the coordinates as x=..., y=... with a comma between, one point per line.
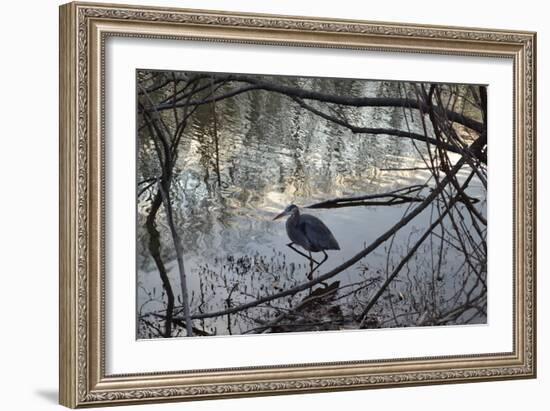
x=318, y=234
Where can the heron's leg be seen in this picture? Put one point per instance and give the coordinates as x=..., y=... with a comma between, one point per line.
x=319, y=264
x=311, y=269
x=323, y=260
x=309, y=257
x=290, y=245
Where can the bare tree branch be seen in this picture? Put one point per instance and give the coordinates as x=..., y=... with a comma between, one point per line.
x=329, y=98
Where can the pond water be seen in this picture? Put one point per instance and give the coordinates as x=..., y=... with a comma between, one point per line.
x=271, y=153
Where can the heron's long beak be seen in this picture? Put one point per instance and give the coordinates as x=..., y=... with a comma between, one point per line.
x=279, y=216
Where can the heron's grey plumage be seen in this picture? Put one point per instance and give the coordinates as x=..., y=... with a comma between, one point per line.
x=309, y=232
x=316, y=234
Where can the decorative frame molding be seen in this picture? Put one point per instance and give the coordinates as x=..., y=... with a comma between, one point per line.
x=83, y=30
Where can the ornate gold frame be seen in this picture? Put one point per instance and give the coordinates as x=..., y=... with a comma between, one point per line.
x=83, y=30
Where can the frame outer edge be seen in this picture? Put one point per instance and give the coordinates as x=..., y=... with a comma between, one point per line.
x=533, y=135
x=68, y=326
x=77, y=385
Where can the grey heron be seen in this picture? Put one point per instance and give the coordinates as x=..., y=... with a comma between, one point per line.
x=310, y=233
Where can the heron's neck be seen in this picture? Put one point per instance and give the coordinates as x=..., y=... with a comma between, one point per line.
x=294, y=217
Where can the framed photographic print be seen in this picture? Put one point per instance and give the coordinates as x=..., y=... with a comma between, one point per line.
x=258, y=204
